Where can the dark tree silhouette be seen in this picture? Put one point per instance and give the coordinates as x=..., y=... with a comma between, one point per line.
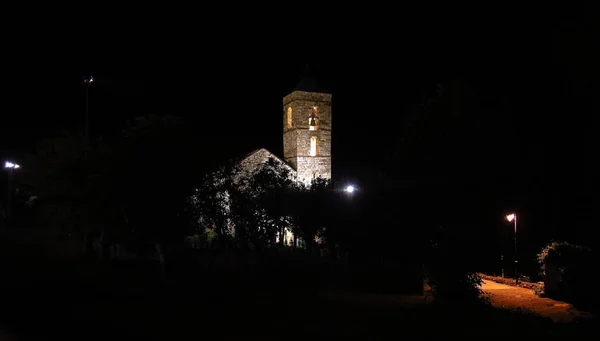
x=311, y=207
x=441, y=174
x=133, y=187
x=247, y=208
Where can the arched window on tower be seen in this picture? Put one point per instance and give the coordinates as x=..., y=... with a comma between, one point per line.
x=290, y=119
x=313, y=146
x=313, y=118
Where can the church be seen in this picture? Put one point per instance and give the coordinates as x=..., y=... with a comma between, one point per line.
x=306, y=126
x=306, y=130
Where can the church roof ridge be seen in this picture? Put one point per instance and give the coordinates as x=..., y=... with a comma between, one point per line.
x=247, y=155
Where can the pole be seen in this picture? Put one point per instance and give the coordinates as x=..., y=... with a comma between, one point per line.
x=9, y=193
x=85, y=133
x=516, y=259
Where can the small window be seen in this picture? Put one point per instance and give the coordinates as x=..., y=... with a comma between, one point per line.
x=313, y=118
x=290, y=119
x=313, y=146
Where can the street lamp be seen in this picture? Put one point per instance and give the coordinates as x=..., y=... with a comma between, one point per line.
x=10, y=167
x=513, y=217
x=349, y=189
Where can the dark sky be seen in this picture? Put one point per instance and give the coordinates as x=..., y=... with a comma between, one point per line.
x=545, y=65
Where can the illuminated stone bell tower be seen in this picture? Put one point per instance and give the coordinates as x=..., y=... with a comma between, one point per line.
x=307, y=130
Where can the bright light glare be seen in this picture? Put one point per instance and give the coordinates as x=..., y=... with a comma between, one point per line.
x=510, y=217
x=350, y=189
x=9, y=164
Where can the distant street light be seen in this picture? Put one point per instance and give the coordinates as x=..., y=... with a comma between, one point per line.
x=513, y=217
x=10, y=167
x=349, y=189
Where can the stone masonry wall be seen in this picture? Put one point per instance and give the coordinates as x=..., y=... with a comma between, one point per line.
x=289, y=145
x=296, y=139
x=252, y=162
x=308, y=166
x=323, y=142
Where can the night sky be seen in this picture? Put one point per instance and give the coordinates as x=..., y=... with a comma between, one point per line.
x=231, y=89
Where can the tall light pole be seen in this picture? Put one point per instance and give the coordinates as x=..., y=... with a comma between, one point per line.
x=87, y=81
x=10, y=167
x=513, y=217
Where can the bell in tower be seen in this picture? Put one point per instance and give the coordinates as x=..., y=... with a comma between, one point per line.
x=312, y=119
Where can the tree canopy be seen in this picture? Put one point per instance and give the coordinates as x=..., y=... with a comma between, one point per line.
x=131, y=186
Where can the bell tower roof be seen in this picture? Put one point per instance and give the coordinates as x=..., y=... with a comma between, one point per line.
x=309, y=83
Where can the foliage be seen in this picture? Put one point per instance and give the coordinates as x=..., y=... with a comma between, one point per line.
x=129, y=187
x=202, y=239
x=68, y=185
x=254, y=207
x=436, y=163
x=449, y=270
x=311, y=208
x=155, y=176
x=559, y=253
x=210, y=202
x=566, y=269
x=246, y=208
x=538, y=290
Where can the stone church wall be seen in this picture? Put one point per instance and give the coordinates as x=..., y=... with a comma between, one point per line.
x=310, y=165
x=289, y=146
x=249, y=165
x=323, y=142
x=297, y=139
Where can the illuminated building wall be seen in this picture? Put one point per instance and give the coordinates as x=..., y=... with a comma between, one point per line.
x=307, y=134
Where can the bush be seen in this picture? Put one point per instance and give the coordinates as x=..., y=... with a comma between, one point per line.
x=450, y=269
x=448, y=287
x=566, y=270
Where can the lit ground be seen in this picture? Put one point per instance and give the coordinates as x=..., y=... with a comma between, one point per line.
x=515, y=298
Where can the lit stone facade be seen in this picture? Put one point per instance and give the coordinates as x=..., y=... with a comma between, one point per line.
x=306, y=138
x=250, y=164
x=306, y=143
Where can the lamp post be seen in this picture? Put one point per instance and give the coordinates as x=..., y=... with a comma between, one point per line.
x=513, y=217
x=349, y=189
x=10, y=167
x=88, y=82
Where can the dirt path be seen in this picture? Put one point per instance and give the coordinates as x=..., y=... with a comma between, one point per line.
x=514, y=298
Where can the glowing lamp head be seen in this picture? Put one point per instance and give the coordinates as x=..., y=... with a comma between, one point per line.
x=349, y=189
x=11, y=165
x=511, y=217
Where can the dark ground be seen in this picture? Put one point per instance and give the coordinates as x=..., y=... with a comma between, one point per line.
x=100, y=302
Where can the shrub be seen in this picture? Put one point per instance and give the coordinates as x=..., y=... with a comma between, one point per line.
x=565, y=268
x=450, y=268
x=455, y=287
